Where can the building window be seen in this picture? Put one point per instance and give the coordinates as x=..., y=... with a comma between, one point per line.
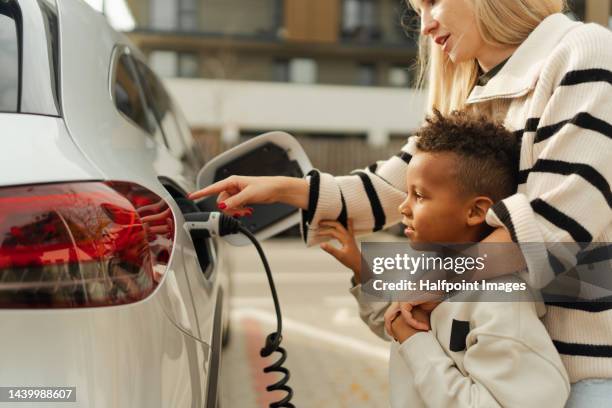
x=171, y=64
x=303, y=71
x=399, y=77
x=188, y=65
x=188, y=15
x=164, y=63
x=280, y=70
x=163, y=15
x=360, y=20
x=173, y=15
x=366, y=74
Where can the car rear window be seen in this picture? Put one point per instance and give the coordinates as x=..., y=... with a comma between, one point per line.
x=9, y=60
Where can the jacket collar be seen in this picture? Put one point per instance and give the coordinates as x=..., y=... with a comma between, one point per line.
x=520, y=74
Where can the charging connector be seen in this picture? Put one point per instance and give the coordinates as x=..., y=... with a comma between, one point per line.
x=211, y=224
x=215, y=224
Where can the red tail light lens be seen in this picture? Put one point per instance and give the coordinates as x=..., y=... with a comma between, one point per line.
x=81, y=244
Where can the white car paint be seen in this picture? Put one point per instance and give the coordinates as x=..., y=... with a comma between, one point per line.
x=153, y=353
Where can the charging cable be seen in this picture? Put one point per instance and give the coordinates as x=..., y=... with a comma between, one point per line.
x=215, y=224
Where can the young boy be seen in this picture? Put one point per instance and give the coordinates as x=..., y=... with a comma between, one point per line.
x=477, y=354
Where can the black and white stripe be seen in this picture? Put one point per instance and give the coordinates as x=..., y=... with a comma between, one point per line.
x=313, y=199
x=562, y=221
x=583, y=76
x=583, y=120
x=587, y=350
x=501, y=210
x=377, y=209
x=406, y=157
x=565, y=168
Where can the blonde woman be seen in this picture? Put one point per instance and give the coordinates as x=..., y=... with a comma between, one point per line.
x=547, y=78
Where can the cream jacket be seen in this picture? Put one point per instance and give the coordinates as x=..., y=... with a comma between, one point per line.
x=477, y=354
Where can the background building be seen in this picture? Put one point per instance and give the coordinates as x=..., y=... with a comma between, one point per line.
x=338, y=74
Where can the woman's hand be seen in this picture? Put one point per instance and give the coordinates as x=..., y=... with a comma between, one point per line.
x=235, y=192
x=348, y=254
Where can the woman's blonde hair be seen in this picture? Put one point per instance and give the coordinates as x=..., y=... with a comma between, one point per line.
x=500, y=22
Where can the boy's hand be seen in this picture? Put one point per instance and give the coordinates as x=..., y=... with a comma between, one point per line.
x=348, y=254
x=401, y=330
x=415, y=316
x=392, y=312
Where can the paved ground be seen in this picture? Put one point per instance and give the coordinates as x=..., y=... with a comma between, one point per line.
x=335, y=361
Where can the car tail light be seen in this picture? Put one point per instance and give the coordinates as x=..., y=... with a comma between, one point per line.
x=81, y=244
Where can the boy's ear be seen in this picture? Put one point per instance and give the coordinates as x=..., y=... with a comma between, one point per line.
x=478, y=210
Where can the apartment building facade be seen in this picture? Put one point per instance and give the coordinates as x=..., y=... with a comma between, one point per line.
x=325, y=69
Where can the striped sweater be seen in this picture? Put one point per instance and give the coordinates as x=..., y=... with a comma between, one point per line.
x=555, y=92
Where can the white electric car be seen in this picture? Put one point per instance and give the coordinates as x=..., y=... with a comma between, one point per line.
x=101, y=288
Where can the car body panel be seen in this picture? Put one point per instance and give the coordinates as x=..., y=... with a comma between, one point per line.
x=162, y=351
x=44, y=140
x=130, y=356
x=120, y=148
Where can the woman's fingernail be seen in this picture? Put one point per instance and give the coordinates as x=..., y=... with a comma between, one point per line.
x=237, y=215
x=222, y=206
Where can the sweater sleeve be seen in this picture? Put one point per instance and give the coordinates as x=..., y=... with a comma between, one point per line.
x=370, y=196
x=564, y=197
x=371, y=313
x=502, y=367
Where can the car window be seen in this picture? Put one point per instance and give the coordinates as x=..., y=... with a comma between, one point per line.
x=128, y=97
x=49, y=13
x=9, y=62
x=162, y=106
x=174, y=130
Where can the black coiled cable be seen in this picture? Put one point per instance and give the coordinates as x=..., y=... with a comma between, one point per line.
x=273, y=340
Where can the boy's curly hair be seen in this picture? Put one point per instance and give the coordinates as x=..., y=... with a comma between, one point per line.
x=488, y=154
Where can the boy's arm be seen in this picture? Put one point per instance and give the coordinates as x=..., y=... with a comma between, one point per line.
x=372, y=313
x=504, y=367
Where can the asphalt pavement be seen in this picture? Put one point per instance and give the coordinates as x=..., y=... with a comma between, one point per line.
x=334, y=359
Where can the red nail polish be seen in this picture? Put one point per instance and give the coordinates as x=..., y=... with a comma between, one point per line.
x=222, y=206
x=236, y=215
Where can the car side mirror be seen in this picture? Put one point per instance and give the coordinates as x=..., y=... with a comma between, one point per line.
x=270, y=154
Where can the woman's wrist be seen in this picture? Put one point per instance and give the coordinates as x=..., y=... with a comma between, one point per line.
x=293, y=191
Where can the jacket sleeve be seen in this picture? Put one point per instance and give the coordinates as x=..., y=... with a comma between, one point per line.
x=565, y=196
x=372, y=313
x=500, y=370
x=370, y=196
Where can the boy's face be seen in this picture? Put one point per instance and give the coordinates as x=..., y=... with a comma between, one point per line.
x=435, y=210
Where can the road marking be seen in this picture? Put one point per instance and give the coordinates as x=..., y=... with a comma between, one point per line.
x=344, y=342
x=261, y=380
x=329, y=301
x=292, y=277
x=246, y=301
x=340, y=301
x=345, y=316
